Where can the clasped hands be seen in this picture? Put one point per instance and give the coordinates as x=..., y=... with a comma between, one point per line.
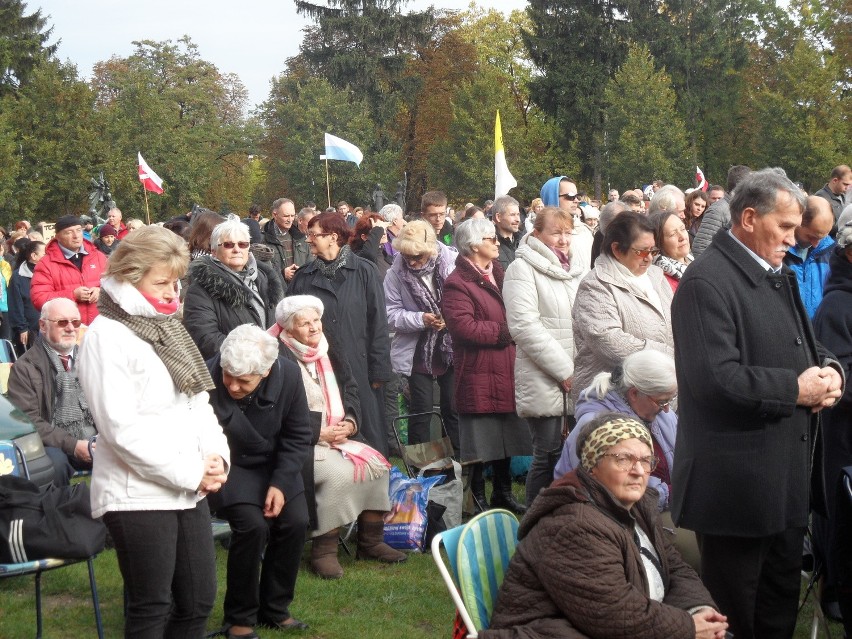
x=214, y=474
x=819, y=388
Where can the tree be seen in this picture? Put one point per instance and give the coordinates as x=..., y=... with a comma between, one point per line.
x=645, y=137
x=23, y=45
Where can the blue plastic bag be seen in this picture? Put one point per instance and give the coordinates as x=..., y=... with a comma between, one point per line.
x=405, y=524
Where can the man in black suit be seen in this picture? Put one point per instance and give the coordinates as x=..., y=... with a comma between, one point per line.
x=752, y=379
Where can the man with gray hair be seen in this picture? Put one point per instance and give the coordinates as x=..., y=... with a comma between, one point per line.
x=393, y=215
x=43, y=383
x=668, y=198
x=289, y=245
x=752, y=379
x=507, y=221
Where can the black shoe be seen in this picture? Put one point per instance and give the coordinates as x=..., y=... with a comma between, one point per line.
x=292, y=624
x=507, y=500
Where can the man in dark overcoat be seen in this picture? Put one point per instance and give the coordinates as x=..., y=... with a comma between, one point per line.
x=752, y=379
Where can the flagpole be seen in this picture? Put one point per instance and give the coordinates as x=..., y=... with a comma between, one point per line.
x=147, y=212
x=327, y=183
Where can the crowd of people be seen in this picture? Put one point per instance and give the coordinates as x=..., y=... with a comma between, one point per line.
x=674, y=363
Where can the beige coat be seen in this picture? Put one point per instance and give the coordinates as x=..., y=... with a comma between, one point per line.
x=613, y=320
x=539, y=295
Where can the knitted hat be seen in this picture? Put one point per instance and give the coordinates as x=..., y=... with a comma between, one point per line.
x=66, y=221
x=107, y=229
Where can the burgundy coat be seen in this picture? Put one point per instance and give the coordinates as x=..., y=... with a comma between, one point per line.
x=483, y=352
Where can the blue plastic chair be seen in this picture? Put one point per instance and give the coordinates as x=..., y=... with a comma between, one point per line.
x=13, y=462
x=478, y=554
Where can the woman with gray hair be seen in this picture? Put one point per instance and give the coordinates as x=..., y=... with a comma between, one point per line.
x=260, y=401
x=421, y=348
x=644, y=387
x=347, y=479
x=484, y=359
x=228, y=288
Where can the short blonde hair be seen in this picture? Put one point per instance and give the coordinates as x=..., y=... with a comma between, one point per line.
x=551, y=212
x=416, y=238
x=149, y=246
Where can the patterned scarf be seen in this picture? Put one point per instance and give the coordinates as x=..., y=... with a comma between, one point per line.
x=317, y=362
x=171, y=343
x=71, y=410
x=426, y=302
x=672, y=267
x=329, y=269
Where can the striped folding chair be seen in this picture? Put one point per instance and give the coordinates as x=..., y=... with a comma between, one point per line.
x=478, y=555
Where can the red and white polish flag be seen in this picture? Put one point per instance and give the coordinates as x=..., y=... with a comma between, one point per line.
x=699, y=177
x=150, y=180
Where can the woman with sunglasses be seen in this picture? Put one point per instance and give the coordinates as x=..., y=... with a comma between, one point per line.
x=484, y=357
x=421, y=348
x=228, y=288
x=160, y=447
x=624, y=304
x=354, y=317
x=594, y=559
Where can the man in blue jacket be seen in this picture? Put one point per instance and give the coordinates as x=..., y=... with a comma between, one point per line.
x=808, y=259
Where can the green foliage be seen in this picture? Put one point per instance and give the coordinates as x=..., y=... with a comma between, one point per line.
x=296, y=117
x=645, y=137
x=23, y=45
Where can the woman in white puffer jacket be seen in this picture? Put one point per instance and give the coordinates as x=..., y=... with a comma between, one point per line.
x=539, y=292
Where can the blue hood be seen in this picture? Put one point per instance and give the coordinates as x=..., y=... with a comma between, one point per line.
x=550, y=191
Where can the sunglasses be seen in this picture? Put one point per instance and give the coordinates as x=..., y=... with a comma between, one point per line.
x=646, y=252
x=413, y=259
x=230, y=245
x=62, y=323
x=491, y=238
x=569, y=196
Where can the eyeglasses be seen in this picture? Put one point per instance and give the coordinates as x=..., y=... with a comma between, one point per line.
x=662, y=405
x=491, y=238
x=62, y=323
x=569, y=196
x=312, y=234
x=654, y=252
x=625, y=461
x=230, y=245
x=435, y=216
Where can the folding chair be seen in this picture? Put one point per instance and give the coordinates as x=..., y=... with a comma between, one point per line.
x=12, y=461
x=478, y=554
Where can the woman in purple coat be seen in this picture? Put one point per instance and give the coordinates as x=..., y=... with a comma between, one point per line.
x=484, y=358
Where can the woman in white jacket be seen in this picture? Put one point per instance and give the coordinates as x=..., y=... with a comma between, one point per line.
x=539, y=291
x=160, y=448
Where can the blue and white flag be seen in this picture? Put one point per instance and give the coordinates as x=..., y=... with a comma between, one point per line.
x=339, y=149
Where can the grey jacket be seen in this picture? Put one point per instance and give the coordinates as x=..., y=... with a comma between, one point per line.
x=715, y=218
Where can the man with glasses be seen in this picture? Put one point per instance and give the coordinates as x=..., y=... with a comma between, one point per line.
x=71, y=268
x=288, y=243
x=43, y=383
x=752, y=379
x=433, y=209
x=561, y=192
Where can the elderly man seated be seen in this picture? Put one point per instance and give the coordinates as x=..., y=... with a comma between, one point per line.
x=43, y=383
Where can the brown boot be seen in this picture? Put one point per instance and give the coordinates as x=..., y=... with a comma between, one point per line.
x=371, y=544
x=324, y=556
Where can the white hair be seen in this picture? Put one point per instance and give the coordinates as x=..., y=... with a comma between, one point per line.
x=390, y=212
x=468, y=235
x=665, y=199
x=232, y=230
x=248, y=350
x=649, y=372
x=290, y=307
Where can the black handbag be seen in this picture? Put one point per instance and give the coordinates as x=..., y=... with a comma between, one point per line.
x=53, y=522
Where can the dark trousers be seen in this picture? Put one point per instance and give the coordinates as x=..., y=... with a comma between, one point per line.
x=755, y=581
x=263, y=561
x=168, y=563
x=546, y=435
x=421, y=389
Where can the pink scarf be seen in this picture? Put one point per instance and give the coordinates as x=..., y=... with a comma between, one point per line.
x=487, y=273
x=318, y=356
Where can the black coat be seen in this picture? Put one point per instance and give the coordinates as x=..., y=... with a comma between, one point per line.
x=833, y=328
x=351, y=407
x=269, y=438
x=301, y=250
x=744, y=449
x=215, y=303
x=355, y=318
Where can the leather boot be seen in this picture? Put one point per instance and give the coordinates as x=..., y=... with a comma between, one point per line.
x=324, y=556
x=477, y=489
x=502, y=496
x=371, y=543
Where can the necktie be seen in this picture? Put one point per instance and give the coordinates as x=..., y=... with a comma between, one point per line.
x=66, y=361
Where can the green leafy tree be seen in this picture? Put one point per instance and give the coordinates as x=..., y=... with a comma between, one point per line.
x=23, y=44
x=645, y=136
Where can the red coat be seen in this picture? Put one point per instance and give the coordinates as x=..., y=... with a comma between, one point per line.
x=483, y=352
x=122, y=231
x=55, y=276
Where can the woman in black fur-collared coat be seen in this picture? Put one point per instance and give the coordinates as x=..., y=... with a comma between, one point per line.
x=227, y=289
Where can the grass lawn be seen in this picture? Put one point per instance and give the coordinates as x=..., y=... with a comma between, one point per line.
x=373, y=601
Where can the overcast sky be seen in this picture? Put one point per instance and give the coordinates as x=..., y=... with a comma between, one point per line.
x=251, y=38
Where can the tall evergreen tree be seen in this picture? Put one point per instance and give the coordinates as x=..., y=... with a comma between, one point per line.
x=23, y=44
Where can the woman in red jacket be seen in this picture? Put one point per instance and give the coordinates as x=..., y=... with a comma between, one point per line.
x=484, y=357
